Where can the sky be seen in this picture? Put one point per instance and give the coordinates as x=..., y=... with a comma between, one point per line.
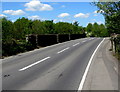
x=83, y=12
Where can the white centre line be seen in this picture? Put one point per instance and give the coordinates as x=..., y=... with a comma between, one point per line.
x=33, y=64
x=76, y=44
x=63, y=50
x=88, y=66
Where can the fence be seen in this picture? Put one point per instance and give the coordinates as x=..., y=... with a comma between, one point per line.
x=63, y=37
x=50, y=39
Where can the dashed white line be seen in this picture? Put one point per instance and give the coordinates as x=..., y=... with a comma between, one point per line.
x=33, y=64
x=63, y=50
x=88, y=66
x=76, y=44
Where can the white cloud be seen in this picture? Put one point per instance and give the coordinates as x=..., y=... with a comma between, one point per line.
x=13, y=21
x=100, y=22
x=55, y=20
x=63, y=6
x=81, y=15
x=101, y=11
x=95, y=12
x=36, y=5
x=98, y=11
x=34, y=17
x=64, y=15
x=14, y=12
x=2, y=15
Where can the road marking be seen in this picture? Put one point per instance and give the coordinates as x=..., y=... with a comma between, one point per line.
x=90, y=39
x=76, y=44
x=88, y=66
x=33, y=64
x=84, y=41
x=63, y=50
x=115, y=69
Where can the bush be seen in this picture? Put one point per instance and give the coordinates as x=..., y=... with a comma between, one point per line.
x=14, y=47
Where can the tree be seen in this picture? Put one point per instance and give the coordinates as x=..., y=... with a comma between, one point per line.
x=22, y=27
x=96, y=30
x=76, y=23
x=63, y=28
x=103, y=30
x=7, y=30
x=89, y=29
x=37, y=27
x=111, y=12
x=49, y=26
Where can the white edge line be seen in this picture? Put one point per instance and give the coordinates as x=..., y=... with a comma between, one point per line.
x=22, y=69
x=84, y=41
x=87, y=68
x=76, y=44
x=63, y=50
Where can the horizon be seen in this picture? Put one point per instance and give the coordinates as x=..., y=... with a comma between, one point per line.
x=83, y=12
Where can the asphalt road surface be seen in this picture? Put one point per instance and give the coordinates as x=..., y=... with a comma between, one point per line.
x=57, y=67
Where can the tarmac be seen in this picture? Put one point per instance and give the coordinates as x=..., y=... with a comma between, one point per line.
x=103, y=74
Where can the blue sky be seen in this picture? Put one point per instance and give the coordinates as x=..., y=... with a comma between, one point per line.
x=83, y=12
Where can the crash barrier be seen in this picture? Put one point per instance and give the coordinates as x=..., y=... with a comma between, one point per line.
x=46, y=40
x=50, y=39
x=63, y=37
x=77, y=36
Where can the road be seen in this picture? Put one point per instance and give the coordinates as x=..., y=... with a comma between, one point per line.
x=57, y=67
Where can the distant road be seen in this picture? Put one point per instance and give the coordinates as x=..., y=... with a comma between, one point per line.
x=57, y=67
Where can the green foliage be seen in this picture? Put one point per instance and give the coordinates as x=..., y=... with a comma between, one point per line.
x=63, y=28
x=7, y=30
x=14, y=33
x=22, y=27
x=37, y=27
x=96, y=30
x=111, y=12
x=14, y=47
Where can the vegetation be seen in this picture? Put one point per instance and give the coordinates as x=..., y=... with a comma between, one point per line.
x=14, y=33
x=96, y=30
x=115, y=41
x=111, y=12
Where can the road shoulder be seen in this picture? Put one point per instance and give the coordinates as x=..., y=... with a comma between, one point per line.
x=103, y=72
